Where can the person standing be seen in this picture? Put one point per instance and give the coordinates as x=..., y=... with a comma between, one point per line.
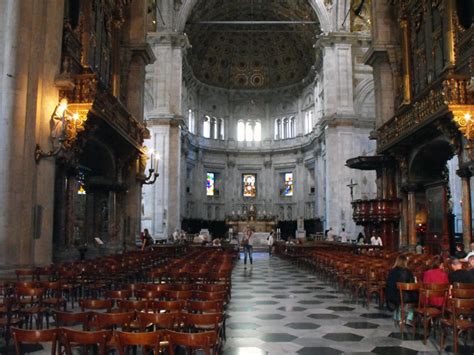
x=147, y=240
x=343, y=236
x=376, y=240
x=270, y=243
x=247, y=243
x=330, y=235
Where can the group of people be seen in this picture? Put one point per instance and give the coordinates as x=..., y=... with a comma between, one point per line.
x=437, y=274
x=375, y=240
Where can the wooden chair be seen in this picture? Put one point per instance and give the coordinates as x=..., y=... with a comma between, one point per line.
x=31, y=305
x=405, y=287
x=205, y=306
x=67, y=319
x=459, y=285
x=210, y=296
x=205, y=341
x=117, y=295
x=460, y=320
x=23, y=336
x=375, y=285
x=157, y=320
x=426, y=311
x=133, y=305
x=88, y=340
x=167, y=306
x=9, y=318
x=179, y=295
x=26, y=275
x=148, y=341
x=113, y=320
x=149, y=294
x=96, y=305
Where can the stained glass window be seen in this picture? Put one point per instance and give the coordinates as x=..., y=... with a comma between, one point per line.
x=288, y=188
x=210, y=184
x=249, y=185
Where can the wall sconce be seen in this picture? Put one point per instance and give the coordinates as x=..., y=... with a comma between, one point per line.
x=152, y=171
x=67, y=121
x=463, y=116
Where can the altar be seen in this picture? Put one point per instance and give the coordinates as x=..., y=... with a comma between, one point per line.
x=265, y=226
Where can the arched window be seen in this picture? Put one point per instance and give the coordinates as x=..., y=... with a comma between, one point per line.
x=308, y=121
x=191, y=121
x=249, y=131
x=257, y=132
x=286, y=129
x=241, y=131
x=277, y=128
x=213, y=128
x=291, y=128
x=206, y=127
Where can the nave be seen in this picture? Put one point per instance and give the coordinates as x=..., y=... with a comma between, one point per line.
x=278, y=308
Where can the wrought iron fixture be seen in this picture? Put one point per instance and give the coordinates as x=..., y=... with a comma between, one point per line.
x=67, y=121
x=463, y=116
x=153, y=174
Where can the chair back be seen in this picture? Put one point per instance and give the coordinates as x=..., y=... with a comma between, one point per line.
x=157, y=320
x=148, y=340
x=117, y=295
x=133, y=305
x=167, y=306
x=205, y=306
x=96, y=305
x=75, y=338
x=67, y=319
x=179, y=295
x=206, y=321
x=113, y=320
x=21, y=336
x=148, y=294
x=205, y=340
x=459, y=285
x=211, y=296
x=463, y=293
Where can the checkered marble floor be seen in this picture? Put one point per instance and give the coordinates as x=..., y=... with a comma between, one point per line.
x=277, y=308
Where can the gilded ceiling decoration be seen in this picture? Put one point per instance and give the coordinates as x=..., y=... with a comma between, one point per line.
x=252, y=55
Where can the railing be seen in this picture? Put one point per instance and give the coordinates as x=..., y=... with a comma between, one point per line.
x=374, y=211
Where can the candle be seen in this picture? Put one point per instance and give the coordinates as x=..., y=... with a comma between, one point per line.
x=152, y=160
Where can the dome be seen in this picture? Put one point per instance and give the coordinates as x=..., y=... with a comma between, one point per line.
x=251, y=44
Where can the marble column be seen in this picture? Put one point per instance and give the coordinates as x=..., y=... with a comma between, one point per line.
x=164, y=118
x=465, y=175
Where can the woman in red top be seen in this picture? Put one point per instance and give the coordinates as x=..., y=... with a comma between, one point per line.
x=436, y=275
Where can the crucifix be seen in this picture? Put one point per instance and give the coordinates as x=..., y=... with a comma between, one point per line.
x=351, y=186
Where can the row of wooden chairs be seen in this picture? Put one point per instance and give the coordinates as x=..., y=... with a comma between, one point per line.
x=64, y=340
x=442, y=306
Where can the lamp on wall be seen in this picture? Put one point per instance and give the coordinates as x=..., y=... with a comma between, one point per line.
x=463, y=116
x=153, y=170
x=67, y=121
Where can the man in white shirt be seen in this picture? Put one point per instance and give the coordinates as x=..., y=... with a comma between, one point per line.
x=343, y=236
x=470, y=253
x=330, y=237
x=270, y=243
x=376, y=240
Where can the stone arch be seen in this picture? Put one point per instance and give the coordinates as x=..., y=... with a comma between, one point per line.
x=317, y=5
x=362, y=92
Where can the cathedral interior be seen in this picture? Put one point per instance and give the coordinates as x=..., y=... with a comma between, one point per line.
x=331, y=138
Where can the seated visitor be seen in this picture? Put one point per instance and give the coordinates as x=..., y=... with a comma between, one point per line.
x=360, y=238
x=471, y=265
x=436, y=275
x=458, y=274
x=471, y=252
x=419, y=248
x=460, y=253
x=216, y=242
x=147, y=240
x=400, y=273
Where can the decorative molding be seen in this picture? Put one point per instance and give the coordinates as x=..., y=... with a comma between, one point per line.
x=427, y=107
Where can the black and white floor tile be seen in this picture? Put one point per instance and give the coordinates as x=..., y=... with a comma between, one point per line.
x=277, y=308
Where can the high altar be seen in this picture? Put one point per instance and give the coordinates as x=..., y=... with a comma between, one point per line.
x=261, y=224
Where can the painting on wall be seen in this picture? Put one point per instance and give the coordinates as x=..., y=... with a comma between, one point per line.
x=210, y=184
x=249, y=184
x=288, y=184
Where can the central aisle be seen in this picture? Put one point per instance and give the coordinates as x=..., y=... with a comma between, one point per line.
x=277, y=308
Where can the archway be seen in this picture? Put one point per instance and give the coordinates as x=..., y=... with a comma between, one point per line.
x=428, y=171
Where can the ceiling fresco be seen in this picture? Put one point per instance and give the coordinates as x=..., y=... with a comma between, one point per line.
x=252, y=55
